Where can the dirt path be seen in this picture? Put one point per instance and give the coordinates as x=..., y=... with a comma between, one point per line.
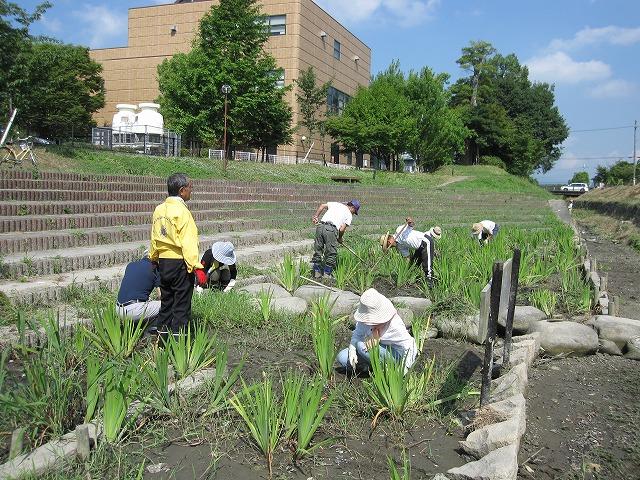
x=622, y=265
x=457, y=179
x=559, y=207
x=583, y=420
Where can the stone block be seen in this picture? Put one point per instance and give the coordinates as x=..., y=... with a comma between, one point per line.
x=512, y=383
x=616, y=329
x=277, y=291
x=406, y=315
x=571, y=338
x=609, y=347
x=500, y=464
x=417, y=304
x=523, y=317
x=535, y=336
x=487, y=439
x=633, y=349
x=343, y=302
x=463, y=328
x=290, y=305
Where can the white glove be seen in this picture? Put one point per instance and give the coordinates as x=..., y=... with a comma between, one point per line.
x=353, y=356
x=199, y=290
x=230, y=286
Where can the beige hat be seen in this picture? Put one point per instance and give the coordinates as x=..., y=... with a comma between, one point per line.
x=435, y=232
x=374, y=308
x=384, y=241
x=476, y=229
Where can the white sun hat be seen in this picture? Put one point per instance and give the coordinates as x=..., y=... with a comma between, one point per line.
x=436, y=232
x=374, y=308
x=223, y=253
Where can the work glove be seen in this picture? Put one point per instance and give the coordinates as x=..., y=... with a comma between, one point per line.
x=199, y=290
x=230, y=286
x=353, y=356
x=201, y=277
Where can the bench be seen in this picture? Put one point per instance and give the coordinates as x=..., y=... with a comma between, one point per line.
x=346, y=179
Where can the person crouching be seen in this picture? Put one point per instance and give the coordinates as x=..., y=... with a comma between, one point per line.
x=219, y=262
x=484, y=231
x=378, y=323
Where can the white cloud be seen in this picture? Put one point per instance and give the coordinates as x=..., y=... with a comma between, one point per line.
x=613, y=89
x=609, y=35
x=405, y=12
x=50, y=24
x=101, y=25
x=561, y=68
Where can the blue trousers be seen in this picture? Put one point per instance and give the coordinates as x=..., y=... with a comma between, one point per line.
x=364, y=360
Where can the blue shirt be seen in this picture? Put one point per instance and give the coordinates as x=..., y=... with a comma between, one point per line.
x=140, y=278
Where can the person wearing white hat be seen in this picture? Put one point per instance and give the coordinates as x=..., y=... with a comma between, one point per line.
x=407, y=238
x=378, y=323
x=219, y=261
x=484, y=231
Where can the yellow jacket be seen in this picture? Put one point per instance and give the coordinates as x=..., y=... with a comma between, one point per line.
x=174, y=233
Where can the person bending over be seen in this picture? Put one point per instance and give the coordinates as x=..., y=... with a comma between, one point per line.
x=219, y=263
x=484, y=231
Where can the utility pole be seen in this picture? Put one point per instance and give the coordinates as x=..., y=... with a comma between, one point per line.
x=225, y=90
x=635, y=158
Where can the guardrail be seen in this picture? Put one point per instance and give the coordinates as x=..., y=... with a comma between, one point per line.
x=275, y=159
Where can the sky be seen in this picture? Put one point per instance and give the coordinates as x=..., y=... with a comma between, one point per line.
x=588, y=49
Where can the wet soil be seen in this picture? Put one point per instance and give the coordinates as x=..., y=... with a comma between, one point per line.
x=358, y=452
x=583, y=420
x=621, y=263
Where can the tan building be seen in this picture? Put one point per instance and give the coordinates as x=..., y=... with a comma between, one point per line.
x=302, y=35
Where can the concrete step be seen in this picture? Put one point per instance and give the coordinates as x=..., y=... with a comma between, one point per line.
x=16, y=242
x=55, y=262
x=54, y=288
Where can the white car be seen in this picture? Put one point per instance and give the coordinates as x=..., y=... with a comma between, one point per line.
x=575, y=187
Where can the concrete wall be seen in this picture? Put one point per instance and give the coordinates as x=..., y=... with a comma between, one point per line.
x=130, y=72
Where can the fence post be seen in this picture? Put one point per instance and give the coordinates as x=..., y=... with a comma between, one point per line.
x=513, y=293
x=487, y=364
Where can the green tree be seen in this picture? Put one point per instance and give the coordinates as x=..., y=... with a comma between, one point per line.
x=229, y=49
x=439, y=134
x=14, y=40
x=620, y=173
x=65, y=89
x=311, y=97
x=377, y=120
x=580, y=177
x=514, y=120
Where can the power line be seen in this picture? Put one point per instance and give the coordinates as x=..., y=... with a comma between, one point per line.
x=600, y=129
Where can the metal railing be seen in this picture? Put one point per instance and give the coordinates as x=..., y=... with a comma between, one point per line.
x=275, y=159
x=167, y=143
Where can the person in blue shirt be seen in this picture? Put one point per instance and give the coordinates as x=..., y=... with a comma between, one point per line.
x=140, y=278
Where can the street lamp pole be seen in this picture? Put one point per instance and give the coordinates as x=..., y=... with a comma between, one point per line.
x=225, y=89
x=635, y=158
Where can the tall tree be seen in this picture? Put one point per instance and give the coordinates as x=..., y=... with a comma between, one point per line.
x=228, y=50
x=439, y=134
x=65, y=88
x=311, y=98
x=620, y=173
x=14, y=40
x=514, y=120
x=580, y=177
x=475, y=59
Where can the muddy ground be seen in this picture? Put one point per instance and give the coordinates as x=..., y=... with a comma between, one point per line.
x=359, y=453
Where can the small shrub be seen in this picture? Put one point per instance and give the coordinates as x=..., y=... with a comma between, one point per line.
x=323, y=335
x=545, y=300
x=116, y=337
x=191, y=351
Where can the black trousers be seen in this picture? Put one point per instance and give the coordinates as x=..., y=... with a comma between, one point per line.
x=424, y=256
x=176, y=287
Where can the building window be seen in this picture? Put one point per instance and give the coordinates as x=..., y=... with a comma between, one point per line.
x=336, y=49
x=277, y=24
x=336, y=100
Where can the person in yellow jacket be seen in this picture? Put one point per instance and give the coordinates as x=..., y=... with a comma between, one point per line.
x=174, y=245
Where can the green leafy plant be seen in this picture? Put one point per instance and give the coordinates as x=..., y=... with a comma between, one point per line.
x=545, y=300
x=157, y=373
x=405, y=272
x=310, y=415
x=387, y=387
x=289, y=272
x=291, y=388
x=323, y=335
x=419, y=329
x=220, y=385
x=259, y=408
x=404, y=473
x=264, y=302
x=120, y=389
x=115, y=336
x=191, y=351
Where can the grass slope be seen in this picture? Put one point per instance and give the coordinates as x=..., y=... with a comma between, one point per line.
x=456, y=178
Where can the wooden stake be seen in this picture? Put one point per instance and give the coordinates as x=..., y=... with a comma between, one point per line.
x=319, y=284
x=513, y=293
x=487, y=364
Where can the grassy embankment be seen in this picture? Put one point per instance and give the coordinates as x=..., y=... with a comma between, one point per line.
x=613, y=212
x=453, y=178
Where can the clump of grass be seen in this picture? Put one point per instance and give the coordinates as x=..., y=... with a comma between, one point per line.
x=544, y=300
x=289, y=272
x=226, y=310
x=419, y=329
x=323, y=335
x=157, y=372
x=220, y=385
x=264, y=303
x=386, y=387
x=191, y=351
x=404, y=473
x=259, y=408
x=115, y=336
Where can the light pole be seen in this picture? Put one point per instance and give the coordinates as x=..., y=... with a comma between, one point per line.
x=225, y=89
x=635, y=158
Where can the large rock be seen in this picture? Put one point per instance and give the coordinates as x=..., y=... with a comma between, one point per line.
x=465, y=328
x=514, y=382
x=417, y=305
x=276, y=290
x=484, y=440
x=571, y=338
x=501, y=464
x=523, y=317
x=616, y=329
x=290, y=305
x=406, y=315
x=633, y=349
x=609, y=347
x=343, y=302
